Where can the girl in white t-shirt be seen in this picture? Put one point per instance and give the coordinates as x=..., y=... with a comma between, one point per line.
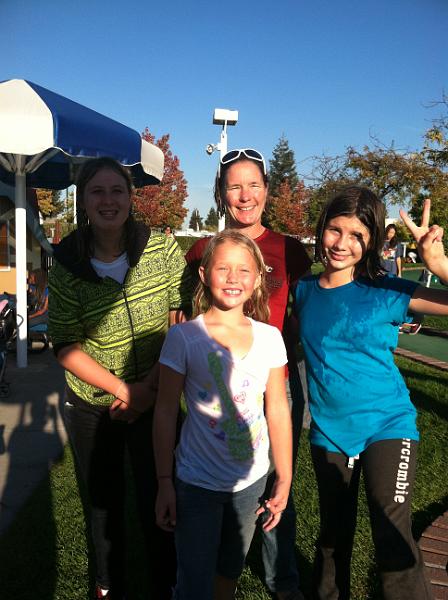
x=230, y=366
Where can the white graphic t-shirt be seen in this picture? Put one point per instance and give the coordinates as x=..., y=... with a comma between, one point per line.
x=224, y=444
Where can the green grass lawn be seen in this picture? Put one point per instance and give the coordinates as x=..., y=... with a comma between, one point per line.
x=43, y=556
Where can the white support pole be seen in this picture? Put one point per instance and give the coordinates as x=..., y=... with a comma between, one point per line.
x=222, y=152
x=75, y=211
x=21, y=299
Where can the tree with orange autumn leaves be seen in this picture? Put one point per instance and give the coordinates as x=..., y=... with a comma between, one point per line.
x=288, y=209
x=162, y=204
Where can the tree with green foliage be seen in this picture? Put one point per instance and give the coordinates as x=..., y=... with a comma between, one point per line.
x=328, y=175
x=211, y=221
x=397, y=177
x=405, y=179
x=69, y=203
x=283, y=181
x=436, y=138
x=282, y=166
x=195, y=220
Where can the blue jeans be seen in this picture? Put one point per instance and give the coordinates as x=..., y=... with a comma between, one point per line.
x=213, y=535
x=278, y=545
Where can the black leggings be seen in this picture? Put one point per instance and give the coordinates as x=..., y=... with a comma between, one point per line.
x=99, y=445
x=389, y=471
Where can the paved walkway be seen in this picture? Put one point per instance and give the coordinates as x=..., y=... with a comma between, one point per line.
x=32, y=435
x=434, y=547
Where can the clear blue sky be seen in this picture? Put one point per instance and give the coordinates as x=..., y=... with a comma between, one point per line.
x=326, y=74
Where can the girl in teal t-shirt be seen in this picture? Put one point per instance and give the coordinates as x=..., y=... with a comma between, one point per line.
x=362, y=416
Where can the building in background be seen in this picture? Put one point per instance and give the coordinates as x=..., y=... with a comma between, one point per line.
x=38, y=247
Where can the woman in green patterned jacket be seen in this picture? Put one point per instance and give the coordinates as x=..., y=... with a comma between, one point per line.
x=114, y=289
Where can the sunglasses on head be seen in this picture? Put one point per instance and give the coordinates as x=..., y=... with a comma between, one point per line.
x=249, y=153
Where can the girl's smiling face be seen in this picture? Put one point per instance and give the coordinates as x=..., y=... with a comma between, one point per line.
x=345, y=241
x=232, y=276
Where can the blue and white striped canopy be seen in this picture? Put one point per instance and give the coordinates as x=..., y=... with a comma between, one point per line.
x=49, y=134
x=43, y=136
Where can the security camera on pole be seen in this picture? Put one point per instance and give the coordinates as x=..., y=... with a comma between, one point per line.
x=224, y=117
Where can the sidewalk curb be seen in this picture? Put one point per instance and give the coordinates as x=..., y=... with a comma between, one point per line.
x=434, y=548
x=433, y=331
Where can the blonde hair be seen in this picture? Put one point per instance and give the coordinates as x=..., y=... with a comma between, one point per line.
x=257, y=306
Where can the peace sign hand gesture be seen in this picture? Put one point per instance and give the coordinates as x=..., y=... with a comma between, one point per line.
x=429, y=240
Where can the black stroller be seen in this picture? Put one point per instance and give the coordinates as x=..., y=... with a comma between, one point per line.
x=7, y=331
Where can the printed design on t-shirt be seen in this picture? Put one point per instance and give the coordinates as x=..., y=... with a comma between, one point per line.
x=237, y=428
x=203, y=394
x=273, y=283
x=389, y=253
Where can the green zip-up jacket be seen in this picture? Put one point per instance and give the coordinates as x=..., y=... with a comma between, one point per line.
x=121, y=326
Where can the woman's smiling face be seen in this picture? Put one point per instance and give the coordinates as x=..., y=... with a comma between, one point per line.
x=106, y=200
x=245, y=194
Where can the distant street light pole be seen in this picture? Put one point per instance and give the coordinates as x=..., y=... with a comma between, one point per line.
x=224, y=117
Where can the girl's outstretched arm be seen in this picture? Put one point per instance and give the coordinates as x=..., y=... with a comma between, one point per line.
x=429, y=241
x=171, y=384
x=278, y=418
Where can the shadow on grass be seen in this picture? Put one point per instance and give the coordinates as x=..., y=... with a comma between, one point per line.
x=136, y=567
x=423, y=400
x=28, y=549
x=422, y=519
x=44, y=553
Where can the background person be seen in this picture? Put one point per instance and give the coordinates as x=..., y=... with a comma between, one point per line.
x=237, y=411
x=241, y=190
x=392, y=252
x=38, y=298
x=168, y=231
x=391, y=262
x=113, y=288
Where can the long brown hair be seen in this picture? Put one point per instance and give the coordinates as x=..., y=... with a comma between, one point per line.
x=257, y=306
x=84, y=232
x=358, y=201
x=393, y=240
